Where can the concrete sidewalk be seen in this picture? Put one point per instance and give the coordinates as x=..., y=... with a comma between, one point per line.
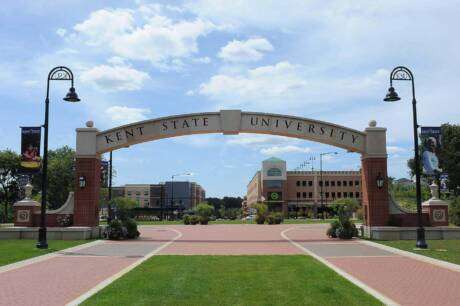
x=399, y=278
x=66, y=275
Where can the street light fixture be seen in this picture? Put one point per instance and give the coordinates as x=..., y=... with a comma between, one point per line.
x=401, y=73
x=321, y=175
x=56, y=74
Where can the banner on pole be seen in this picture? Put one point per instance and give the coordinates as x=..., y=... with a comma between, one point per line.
x=30, y=148
x=431, y=141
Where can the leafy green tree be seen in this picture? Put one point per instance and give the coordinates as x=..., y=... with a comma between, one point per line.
x=61, y=176
x=123, y=207
x=9, y=187
x=343, y=205
x=261, y=212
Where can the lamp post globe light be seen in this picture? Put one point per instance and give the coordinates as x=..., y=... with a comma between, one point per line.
x=59, y=73
x=402, y=73
x=321, y=176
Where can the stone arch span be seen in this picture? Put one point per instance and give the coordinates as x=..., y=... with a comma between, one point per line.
x=231, y=122
x=370, y=143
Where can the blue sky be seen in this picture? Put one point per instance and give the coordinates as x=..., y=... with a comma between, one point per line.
x=135, y=60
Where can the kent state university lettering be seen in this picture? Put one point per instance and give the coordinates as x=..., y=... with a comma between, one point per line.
x=241, y=122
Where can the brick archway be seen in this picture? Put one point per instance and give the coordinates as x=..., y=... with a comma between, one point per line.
x=370, y=143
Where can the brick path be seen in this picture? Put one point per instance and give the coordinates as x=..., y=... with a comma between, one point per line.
x=404, y=280
x=69, y=274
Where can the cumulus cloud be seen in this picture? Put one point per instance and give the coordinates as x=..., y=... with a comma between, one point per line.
x=153, y=37
x=250, y=50
x=61, y=32
x=124, y=114
x=395, y=149
x=115, y=78
x=277, y=150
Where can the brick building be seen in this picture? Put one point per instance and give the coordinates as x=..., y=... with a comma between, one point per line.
x=284, y=190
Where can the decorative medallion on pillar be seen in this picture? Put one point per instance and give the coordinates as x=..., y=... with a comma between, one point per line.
x=24, y=210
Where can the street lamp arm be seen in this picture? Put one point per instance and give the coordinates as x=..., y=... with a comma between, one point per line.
x=60, y=73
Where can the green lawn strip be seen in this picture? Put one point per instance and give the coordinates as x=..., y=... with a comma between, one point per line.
x=15, y=250
x=448, y=250
x=232, y=280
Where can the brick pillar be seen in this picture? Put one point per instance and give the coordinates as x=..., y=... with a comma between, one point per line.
x=88, y=165
x=374, y=163
x=86, y=211
x=375, y=200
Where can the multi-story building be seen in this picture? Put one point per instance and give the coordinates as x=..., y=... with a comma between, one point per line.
x=167, y=195
x=281, y=189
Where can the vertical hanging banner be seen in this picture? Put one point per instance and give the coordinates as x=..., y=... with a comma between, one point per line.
x=104, y=173
x=431, y=141
x=30, y=148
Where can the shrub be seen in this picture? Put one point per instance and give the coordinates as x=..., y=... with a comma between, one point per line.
x=115, y=230
x=194, y=220
x=342, y=228
x=186, y=219
x=204, y=212
x=131, y=229
x=454, y=211
x=278, y=217
x=332, y=230
x=270, y=219
x=347, y=230
x=261, y=214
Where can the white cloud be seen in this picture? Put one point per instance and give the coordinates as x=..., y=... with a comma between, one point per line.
x=277, y=150
x=61, y=32
x=250, y=50
x=257, y=140
x=105, y=25
x=395, y=149
x=144, y=34
x=115, y=78
x=202, y=60
x=124, y=114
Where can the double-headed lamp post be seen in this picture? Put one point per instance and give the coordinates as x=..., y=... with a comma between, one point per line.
x=401, y=73
x=56, y=74
x=321, y=175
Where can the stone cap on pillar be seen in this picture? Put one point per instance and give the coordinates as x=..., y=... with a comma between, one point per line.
x=27, y=201
x=376, y=141
x=86, y=141
x=434, y=200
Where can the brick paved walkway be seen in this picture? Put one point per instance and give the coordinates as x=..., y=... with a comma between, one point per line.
x=69, y=274
x=405, y=280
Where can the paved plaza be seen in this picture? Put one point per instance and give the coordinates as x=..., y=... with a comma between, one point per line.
x=73, y=274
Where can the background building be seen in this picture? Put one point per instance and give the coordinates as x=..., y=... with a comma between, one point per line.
x=167, y=195
x=284, y=190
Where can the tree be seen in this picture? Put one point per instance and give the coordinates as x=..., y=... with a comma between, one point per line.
x=61, y=176
x=204, y=211
x=123, y=206
x=10, y=168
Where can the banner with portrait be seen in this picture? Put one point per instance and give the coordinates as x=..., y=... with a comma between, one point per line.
x=431, y=142
x=30, y=148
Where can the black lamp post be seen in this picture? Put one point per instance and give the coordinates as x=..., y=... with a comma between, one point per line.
x=56, y=74
x=321, y=176
x=401, y=73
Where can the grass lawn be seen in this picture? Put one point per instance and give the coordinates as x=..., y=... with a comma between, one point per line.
x=232, y=280
x=16, y=250
x=448, y=250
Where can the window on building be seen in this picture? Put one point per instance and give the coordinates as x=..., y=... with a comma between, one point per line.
x=297, y=183
x=344, y=183
x=138, y=193
x=273, y=172
x=273, y=184
x=339, y=194
x=129, y=193
x=146, y=193
x=327, y=183
x=356, y=194
x=320, y=183
x=327, y=194
x=310, y=195
x=298, y=195
x=356, y=183
x=333, y=195
x=304, y=195
x=310, y=183
x=304, y=183
x=345, y=195
x=333, y=183
x=350, y=183
x=339, y=183
x=350, y=194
